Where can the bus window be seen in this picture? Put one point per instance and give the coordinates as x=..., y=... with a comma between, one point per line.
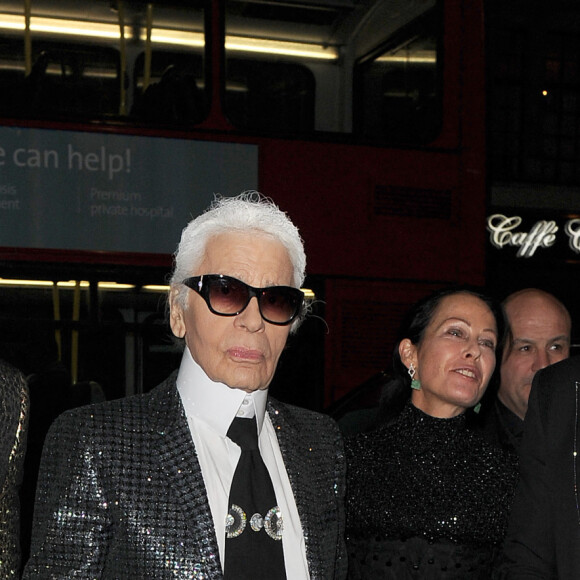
x=175, y=92
x=270, y=96
x=281, y=61
x=371, y=70
x=169, y=80
x=71, y=80
x=397, y=90
x=100, y=60
x=68, y=81
x=11, y=76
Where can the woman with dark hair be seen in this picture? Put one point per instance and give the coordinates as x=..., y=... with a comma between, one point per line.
x=426, y=496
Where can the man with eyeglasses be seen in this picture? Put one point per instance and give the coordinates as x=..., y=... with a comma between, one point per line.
x=162, y=485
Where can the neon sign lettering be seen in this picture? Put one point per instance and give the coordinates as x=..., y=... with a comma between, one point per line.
x=572, y=228
x=501, y=227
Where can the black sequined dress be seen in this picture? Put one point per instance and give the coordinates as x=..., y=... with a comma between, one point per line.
x=426, y=498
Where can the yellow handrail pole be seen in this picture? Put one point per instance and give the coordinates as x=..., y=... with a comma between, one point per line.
x=27, y=38
x=123, y=53
x=74, y=356
x=149, y=26
x=56, y=312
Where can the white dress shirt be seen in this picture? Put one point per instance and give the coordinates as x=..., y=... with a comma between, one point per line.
x=210, y=408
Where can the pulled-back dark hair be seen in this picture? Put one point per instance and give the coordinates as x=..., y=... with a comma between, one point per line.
x=398, y=390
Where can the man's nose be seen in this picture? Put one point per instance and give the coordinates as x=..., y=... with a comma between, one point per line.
x=541, y=360
x=250, y=317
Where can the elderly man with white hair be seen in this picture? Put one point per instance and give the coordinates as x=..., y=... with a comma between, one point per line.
x=153, y=486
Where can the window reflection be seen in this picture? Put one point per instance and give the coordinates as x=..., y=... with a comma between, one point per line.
x=96, y=60
x=397, y=91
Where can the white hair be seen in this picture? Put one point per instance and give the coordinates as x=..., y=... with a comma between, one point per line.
x=248, y=212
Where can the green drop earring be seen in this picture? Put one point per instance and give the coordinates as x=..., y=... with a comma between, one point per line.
x=415, y=383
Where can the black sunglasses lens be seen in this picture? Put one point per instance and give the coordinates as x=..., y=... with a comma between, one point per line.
x=227, y=296
x=280, y=305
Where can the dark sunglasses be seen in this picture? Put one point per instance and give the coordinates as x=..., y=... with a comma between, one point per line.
x=227, y=296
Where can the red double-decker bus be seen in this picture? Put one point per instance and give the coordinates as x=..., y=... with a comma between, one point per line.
x=364, y=120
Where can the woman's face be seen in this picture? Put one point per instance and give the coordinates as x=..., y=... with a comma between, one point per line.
x=455, y=358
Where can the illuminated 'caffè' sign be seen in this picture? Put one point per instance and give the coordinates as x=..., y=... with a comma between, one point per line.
x=504, y=232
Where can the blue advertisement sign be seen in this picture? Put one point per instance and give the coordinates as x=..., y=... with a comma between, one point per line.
x=111, y=193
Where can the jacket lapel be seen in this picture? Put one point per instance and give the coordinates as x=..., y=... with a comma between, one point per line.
x=294, y=450
x=178, y=460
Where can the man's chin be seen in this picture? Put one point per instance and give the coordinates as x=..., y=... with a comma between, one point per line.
x=247, y=382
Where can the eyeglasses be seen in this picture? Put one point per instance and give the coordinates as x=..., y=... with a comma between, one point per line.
x=227, y=296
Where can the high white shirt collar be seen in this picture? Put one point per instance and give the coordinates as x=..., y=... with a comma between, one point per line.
x=214, y=403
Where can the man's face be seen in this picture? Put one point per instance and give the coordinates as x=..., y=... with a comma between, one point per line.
x=540, y=330
x=240, y=351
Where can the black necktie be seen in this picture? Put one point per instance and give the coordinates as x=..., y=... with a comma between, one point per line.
x=254, y=524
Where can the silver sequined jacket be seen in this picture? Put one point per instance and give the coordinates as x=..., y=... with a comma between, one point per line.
x=13, y=428
x=121, y=494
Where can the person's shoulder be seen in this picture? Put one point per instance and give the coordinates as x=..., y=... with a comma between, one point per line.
x=496, y=463
x=568, y=365
x=560, y=375
x=477, y=439
x=12, y=380
x=118, y=411
x=301, y=417
x=289, y=410
x=358, y=443
x=6, y=369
